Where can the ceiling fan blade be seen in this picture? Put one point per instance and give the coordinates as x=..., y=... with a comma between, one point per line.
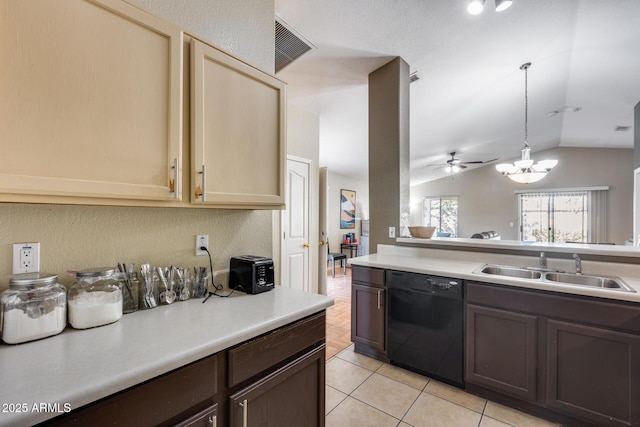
x=479, y=162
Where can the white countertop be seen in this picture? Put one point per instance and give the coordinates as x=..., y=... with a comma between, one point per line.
x=80, y=366
x=515, y=245
x=464, y=270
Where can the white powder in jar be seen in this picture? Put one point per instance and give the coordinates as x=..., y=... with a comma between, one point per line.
x=92, y=309
x=19, y=327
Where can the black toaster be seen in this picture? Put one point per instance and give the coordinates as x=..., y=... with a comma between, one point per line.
x=251, y=274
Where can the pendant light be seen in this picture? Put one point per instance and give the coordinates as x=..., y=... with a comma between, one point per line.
x=525, y=171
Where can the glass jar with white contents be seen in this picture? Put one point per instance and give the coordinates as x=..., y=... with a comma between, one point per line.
x=34, y=307
x=95, y=298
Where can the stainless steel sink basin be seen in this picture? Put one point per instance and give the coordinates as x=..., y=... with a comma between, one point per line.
x=587, y=280
x=550, y=277
x=499, y=270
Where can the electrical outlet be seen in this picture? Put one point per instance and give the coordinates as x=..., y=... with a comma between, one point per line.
x=202, y=240
x=392, y=232
x=26, y=258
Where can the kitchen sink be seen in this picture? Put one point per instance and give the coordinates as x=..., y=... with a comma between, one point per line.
x=550, y=277
x=499, y=270
x=587, y=280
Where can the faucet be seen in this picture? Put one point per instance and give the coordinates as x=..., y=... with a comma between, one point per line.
x=578, y=263
x=543, y=260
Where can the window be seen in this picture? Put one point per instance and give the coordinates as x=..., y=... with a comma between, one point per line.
x=563, y=216
x=442, y=213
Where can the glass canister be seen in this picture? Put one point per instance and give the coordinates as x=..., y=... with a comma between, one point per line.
x=34, y=307
x=129, y=285
x=95, y=298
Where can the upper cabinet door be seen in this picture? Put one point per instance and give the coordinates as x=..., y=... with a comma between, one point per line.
x=238, y=132
x=90, y=101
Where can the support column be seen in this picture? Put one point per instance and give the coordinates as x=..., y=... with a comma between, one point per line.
x=388, y=152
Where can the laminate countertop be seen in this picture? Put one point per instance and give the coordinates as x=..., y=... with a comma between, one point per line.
x=42, y=379
x=466, y=270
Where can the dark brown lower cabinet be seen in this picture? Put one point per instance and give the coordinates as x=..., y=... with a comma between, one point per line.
x=291, y=396
x=572, y=359
x=593, y=373
x=278, y=377
x=368, y=311
x=501, y=350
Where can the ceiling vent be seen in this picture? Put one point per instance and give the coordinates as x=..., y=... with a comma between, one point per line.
x=290, y=45
x=414, y=77
x=623, y=128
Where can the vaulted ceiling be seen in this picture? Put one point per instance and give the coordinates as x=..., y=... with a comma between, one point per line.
x=585, y=55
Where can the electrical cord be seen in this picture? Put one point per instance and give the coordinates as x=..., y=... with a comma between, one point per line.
x=216, y=287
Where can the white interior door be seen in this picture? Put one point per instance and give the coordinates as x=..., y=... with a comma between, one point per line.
x=296, y=272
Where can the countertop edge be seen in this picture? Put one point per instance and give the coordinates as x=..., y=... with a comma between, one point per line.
x=266, y=312
x=464, y=270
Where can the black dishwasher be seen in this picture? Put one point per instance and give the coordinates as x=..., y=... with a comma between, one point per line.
x=424, y=326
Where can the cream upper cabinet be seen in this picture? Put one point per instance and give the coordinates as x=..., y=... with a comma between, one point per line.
x=90, y=101
x=238, y=129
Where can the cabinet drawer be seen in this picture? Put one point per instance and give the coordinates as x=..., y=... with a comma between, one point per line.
x=177, y=394
x=258, y=355
x=371, y=276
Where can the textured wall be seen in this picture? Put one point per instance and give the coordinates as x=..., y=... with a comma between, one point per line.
x=76, y=237
x=244, y=28
x=487, y=200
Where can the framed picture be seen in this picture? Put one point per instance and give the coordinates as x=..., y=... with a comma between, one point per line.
x=347, y=209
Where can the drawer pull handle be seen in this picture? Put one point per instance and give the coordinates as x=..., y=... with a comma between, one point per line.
x=379, y=299
x=213, y=421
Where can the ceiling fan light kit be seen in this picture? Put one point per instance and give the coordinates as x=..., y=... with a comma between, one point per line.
x=526, y=171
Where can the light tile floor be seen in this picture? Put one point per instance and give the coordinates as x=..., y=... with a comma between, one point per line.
x=364, y=392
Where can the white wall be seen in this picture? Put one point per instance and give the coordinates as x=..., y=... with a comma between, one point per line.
x=336, y=182
x=487, y=200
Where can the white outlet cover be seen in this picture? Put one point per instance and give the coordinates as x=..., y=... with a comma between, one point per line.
x=392, y=232
x=26, y=258
x=202, y=240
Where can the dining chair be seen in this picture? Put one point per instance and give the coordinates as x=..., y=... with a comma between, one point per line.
x=335, y=256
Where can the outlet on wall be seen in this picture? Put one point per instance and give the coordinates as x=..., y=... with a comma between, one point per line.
x=392, y=232
x=202, y=240
x=26, y=258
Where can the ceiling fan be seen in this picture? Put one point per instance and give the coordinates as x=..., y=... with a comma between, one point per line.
x=455, y=165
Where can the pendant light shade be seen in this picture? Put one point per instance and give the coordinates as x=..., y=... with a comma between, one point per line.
x=526, y=171
x=502, y=5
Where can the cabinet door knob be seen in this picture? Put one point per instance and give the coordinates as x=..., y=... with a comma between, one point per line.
x=321, y=242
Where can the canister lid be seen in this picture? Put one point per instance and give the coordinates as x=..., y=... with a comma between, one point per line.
x=33, y=279
x=96, y=272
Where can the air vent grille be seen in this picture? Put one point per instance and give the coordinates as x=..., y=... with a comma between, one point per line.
x=623, y=128
x=289, y=45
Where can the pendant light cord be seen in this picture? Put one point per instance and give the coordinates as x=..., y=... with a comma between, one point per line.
x=525, y=67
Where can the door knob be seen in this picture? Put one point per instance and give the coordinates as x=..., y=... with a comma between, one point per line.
x=322, y=243
x=306, y=245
